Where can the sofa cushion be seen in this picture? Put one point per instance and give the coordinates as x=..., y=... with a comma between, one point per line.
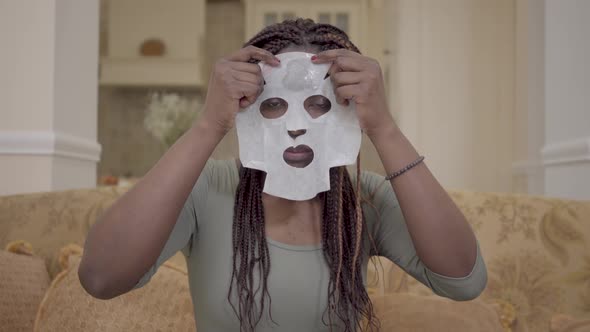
x=536, y=252
x=567, y=323
x=162, y=305
x=417, y=313
x=51, y=220
x=23, y=282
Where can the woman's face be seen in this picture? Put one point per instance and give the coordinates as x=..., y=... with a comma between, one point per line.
x=299, y=156
x=295, y=131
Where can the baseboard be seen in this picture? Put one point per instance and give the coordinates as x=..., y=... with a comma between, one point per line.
x=49, y=143
x=567, y=152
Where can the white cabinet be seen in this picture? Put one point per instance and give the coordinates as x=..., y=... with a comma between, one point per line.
x=180, y=27
x=349, y=15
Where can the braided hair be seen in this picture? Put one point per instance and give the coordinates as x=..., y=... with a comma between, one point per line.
x=343, y=223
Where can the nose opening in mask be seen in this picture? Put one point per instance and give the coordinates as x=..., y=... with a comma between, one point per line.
x=296, y=133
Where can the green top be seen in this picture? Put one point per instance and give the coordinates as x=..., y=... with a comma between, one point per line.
x=298, y=279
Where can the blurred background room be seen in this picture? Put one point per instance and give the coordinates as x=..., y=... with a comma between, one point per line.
x=494, y=92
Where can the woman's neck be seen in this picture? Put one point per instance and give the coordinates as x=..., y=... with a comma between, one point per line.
x=278, y=210
x=295, y=222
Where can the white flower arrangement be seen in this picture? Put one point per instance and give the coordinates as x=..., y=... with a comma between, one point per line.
x=170, y=115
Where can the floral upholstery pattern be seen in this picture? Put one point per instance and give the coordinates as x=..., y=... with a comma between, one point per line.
x=537, y=249
x=565, y=323
x=415, y=313
x=23, y=282
x=66, y=306
x=52, y=220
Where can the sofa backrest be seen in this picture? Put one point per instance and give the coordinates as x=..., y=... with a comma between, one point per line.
x=537, y=252
x=52, y=220
x=537, y=249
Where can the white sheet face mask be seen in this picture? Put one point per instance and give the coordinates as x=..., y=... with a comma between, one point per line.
x=296, y=131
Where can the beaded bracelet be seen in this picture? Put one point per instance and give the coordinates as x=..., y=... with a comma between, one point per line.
x=405, y=169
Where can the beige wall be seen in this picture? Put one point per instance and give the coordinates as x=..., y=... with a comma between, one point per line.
x=454, y=94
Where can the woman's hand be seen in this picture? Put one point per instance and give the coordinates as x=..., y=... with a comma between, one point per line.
x=359, y=78
x=234, y=83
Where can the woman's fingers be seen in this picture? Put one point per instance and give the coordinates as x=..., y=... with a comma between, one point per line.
x=247, y=92
x=346, y=78
x=342, y=79
x=248, y=77
x=246, y=67
x=252, y=87
x=346, y=93
x=341, y=59
x=354, y=76
x=331, y=55
x=251, y=52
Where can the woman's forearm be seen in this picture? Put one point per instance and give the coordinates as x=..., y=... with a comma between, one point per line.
x=441, y=235
x=128, y=238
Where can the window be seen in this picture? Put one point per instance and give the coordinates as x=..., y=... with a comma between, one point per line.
x=288, y=16
x=270, y=18
x=324, y=18
x=342, y=21
x=347, y=15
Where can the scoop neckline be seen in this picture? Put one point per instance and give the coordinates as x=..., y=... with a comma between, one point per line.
x=294, y=247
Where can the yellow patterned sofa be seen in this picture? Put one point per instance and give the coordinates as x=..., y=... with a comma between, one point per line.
x=537, y=249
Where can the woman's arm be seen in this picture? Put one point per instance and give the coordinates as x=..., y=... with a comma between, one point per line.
x=442, y=237
x=129, y=237
x=391, y=239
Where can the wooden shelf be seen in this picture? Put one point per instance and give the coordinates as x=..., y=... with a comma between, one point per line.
x=151, y=72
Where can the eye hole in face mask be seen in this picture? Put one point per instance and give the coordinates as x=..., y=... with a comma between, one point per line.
x=317, y=105
x=273, y=108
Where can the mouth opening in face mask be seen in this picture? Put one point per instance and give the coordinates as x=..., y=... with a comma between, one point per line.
x=299, y=156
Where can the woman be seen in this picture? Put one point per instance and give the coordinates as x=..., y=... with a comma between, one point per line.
x=273, y=264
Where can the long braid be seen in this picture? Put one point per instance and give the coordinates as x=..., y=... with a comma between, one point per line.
x=342, y=226
x=246, y=240
x=359, y=218
x=339, y=221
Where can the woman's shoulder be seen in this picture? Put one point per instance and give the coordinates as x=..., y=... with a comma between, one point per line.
x=219, y=175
